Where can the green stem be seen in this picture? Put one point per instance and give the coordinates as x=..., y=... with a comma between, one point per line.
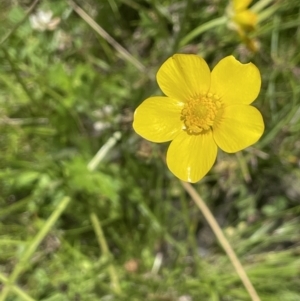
x=20, y=267
x=268, y=12
x=103, y=151
x=16, y=290
x=202, y=28
x=92, y=165
x=14, y=207
x=105, y=251
x=260, y=5
x=244, y=167
x=18, y=77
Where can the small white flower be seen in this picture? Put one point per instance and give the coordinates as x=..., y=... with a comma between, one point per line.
x=185, y=298
x=42, y=20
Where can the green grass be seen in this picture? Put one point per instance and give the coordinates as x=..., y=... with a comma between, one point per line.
x=65, y=93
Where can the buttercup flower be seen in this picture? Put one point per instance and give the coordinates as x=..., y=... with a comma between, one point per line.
x=243, y=19
x=201, y=111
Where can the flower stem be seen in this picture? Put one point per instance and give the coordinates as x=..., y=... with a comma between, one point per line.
x=222, y=239
x=16, y=290
x=244, y=167
x=92, y=165
x=103, y=151
x=105, y=251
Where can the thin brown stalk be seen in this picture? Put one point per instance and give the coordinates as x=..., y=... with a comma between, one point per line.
x=119, y=48
x=223, y=240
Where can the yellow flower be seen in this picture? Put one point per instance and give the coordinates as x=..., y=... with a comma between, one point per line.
x=202, y=111
x=242, y=19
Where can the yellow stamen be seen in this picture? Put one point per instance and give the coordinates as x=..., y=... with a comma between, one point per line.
x=199, y=113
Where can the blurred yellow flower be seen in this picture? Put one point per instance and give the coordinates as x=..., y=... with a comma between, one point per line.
x=202, y=111
x=243, y=20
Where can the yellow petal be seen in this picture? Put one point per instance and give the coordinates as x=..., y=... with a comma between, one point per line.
x=190, y=157
x=247, y=19
x=158, y=119
x=183, y=76
x=238, y=127
x=241, y=4
x=234, y=82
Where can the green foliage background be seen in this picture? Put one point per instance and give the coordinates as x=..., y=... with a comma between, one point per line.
x=66, y=93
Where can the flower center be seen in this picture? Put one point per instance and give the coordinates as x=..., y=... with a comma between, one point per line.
x=199, y=113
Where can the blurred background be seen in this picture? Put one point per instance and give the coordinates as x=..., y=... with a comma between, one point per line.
x=88, y=209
